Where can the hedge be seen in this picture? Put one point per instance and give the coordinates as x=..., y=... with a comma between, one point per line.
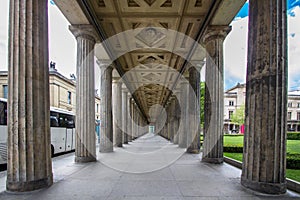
x=233, y=148
x=292, y=160
x=293, y=135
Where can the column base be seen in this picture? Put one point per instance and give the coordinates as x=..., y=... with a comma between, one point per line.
x=268, y=188
x=30, y=185
x=213, y=160
x=193, y=151
x=106, y=150
x=85, y=159
x=119, y=145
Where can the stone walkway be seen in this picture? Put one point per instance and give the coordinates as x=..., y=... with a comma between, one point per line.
x=149, y=168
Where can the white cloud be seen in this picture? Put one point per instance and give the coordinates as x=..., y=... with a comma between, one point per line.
x=294, y=49
x=62, y=44
x=3, y=34
x=235, y=50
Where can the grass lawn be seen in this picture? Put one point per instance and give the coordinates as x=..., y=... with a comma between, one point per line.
x=293, y=146
x=290, y=173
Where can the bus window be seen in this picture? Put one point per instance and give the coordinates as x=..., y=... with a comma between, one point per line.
x=54, y=119
x=3, y=113
x=70, y=121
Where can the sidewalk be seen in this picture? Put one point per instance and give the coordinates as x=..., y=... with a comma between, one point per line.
x=149, y=168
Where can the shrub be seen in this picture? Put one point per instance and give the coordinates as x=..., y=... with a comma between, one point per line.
x=233, y=135
x=292, y=161
x=233, y=148
x=293, y=135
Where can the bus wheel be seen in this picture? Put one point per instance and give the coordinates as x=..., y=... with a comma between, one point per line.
x=52, y=150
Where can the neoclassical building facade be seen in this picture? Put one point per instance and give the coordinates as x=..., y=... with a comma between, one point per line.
x=157, y=48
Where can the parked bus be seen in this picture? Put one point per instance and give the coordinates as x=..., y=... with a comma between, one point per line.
x=62, y=123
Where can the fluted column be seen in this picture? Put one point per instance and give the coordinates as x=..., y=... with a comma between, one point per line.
x=194, y=109
x=184, y=89
x=85, y=149
x=106, y=125
x=264, y=160
x=29, y=164
x=124, y=115
x=214, y=94
x=117, y=112
x=176, y=117
x=172, y=119
x=129, y=115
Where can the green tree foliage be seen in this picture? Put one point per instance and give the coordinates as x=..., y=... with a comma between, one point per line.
x=238, y=117
x=202, y=94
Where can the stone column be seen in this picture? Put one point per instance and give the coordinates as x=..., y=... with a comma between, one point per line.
x=176, y=117
x=172, y=119
x=124, y=115
x=117, y=112
x=264, y=162
x=184, y=87
x=29, y=164
x=129, y=115
x=194, y=110
x=214, y=94
x=106, y=126
x=85, y=149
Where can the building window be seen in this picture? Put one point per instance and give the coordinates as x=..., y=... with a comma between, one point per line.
x=289, y=116
x=230, y=114
x=5, y=91
x=298, y=116
x=290, y=104
x=97, y=108
x=69, y=97
x=298, y=105
x=231, y=103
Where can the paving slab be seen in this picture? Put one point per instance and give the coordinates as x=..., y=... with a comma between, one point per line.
x=149, y=168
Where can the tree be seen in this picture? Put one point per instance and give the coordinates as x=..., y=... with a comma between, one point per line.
x=238, y=117
x=202, y=95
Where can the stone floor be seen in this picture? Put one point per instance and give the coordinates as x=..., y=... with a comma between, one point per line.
x=149, y=168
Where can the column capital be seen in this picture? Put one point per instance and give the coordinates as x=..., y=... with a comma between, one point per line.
x=86, y=31
x=197, y=65
x=215, y=32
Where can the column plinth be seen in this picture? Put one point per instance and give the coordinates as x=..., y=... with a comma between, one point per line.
x=29, y=165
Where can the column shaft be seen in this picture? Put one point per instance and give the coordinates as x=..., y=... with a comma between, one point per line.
x=194, y=111
x=117, y=112
x=106, y=126
x=124, y=115
x=129, y=118
x=29, y=164
x=264, y=160
x=85, y=150
x=184, y=126
x=214, y=94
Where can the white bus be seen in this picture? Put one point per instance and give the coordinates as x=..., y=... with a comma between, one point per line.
x=62, y=123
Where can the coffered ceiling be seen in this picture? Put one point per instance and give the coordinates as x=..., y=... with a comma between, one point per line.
x=152, y=38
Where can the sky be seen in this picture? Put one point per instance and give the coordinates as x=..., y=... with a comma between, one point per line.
x=62, y=44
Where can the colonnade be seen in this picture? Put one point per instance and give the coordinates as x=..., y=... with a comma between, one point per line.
x=29, y=152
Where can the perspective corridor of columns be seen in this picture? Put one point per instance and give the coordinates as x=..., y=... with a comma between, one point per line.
x=29, y=164
x=85, y=149
x=264, y=162
x=214, y=94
